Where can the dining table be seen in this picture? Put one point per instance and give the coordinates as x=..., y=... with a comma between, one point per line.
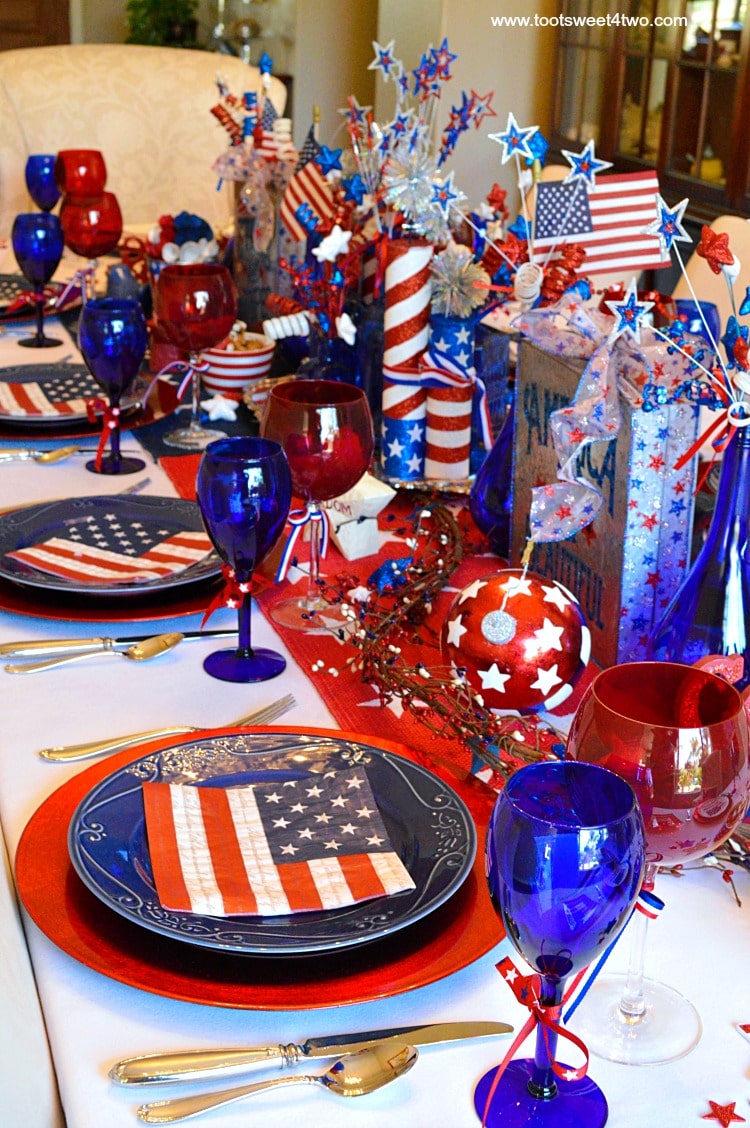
x=82, y=989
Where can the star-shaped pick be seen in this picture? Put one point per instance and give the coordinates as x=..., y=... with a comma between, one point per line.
x=328, y=159
x=668, y=224
x=724, y=1114
x=480, y=107
x=584, y=165
x=628, y=314
x=265, y=63
x=220, y=408
x=514, y=140
x=745, y=307
x=442, y=59
x=714, y=248
x=354, y=188
x=443, y=194
x=334, y=244
x=384, y=59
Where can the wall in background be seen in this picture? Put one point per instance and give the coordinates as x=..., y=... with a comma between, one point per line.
x=327, y=46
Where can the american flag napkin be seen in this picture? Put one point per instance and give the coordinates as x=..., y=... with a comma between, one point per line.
x=270, y=849
x=103, y=549
x=64, y=393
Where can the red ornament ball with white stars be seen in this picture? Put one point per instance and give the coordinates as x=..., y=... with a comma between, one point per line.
x=520, y=639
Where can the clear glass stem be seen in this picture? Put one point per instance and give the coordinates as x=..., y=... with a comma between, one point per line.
x=542, y=1084
x=313, y=586
x=195, y=414
x=632, y=1004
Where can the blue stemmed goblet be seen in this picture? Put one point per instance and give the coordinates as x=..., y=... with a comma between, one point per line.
x=244, y=491
x=37, y=239
x=40, y=180
x=112, y=336
x=565, y=857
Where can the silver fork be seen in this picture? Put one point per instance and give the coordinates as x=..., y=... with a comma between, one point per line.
x=61, y=754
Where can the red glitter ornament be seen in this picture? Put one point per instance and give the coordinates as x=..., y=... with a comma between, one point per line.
x=520, y=639
x=714, y=248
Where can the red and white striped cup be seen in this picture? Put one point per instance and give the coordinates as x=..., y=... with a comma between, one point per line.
x=231, y=370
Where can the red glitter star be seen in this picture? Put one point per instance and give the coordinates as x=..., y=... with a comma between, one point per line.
x=714, y=248
x=740, y=351
x=650, y=522
x=496, y=199
x=725, y=1114
x=652, y=579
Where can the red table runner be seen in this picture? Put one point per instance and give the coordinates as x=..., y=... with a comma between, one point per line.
x=331, y=662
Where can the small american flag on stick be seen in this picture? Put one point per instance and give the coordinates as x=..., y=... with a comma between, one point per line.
x=606, y=219
x=308, y=186
x=270, y=849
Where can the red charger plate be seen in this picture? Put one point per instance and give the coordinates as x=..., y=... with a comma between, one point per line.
x=39, y=604
x=449, y=939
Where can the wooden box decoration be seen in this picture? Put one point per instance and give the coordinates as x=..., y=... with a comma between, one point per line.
x=625, y=566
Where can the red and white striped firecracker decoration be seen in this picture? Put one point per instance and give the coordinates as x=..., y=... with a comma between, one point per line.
x=408, y=289
x=403, y=423
x=449, y=397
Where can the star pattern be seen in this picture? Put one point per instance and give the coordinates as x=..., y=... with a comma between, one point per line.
x=584, y=165
x=629, y=314
x=494, y=678
x=514, y=140
x=668, y=224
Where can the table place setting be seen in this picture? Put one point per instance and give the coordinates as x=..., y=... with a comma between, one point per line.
x=430, y=580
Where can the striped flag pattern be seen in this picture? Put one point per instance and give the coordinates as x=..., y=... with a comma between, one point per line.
x=310, y=149
x=270, y=849
x=265, y=139
x=69, y=558
x=308, y=186
x=408, y=289
x=450, y=393
x=61, y=394
x=607, y=220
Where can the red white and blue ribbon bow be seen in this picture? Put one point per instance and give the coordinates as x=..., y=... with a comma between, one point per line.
x=298, y=518
x=439, y=370
x=528, y=989
x=561, y=509
x=231, y=595
x=110, y=422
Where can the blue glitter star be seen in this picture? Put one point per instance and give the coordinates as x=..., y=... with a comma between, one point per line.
x=443, y=194
x=584, y=165
x=384, y=59
x=629, y=314
x=354, y=188
x=539, y=146
x=265, y=63
x=745, y=307
x=668, y=224
x=328, y=159
x=514, y=140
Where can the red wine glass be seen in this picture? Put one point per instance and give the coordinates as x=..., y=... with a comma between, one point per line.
x=195, y=306
x=679, y=736
x=80, y=172
x=92, y=227
x=37, y=240
x=325, y=431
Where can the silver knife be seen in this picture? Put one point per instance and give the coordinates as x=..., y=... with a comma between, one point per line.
x=58, y=454
x=153, y=1068
x=39, y=648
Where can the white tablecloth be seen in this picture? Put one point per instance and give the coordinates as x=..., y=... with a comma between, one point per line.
x=699, y=944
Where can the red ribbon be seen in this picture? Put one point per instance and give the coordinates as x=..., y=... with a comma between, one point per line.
x=110, y=422
x=231, y=595
x=29, y=297
x=527, y=989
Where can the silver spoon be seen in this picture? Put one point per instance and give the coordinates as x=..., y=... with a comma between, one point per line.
x=138, y=652
x=352, y=1076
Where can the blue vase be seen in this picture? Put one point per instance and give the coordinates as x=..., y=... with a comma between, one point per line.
x=710, y=612
x=328, y=358
x=491, y=497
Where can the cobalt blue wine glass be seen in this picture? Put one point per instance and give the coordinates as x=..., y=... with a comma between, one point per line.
x=565, y=857
x=40, y=180
x=112, y=337
x=38, y=246
x=244, y=491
